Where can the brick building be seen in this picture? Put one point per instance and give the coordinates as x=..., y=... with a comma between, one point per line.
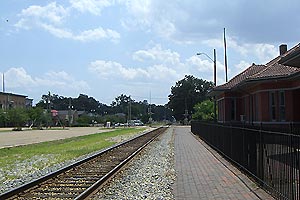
x=10, y=100
x=263, y=94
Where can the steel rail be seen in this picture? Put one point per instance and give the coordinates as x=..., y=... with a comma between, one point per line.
x=26, y=187
x=110, y=174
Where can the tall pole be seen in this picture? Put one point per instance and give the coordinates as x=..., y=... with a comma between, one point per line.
x=215, y=78
x=70, y=112
x=3, y=83
x=225, y=54
x=150, y=111
x=215, y=83
x=129, y=111
x=215, y=68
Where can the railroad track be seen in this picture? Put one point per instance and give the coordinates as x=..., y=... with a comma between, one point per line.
x=80, y=179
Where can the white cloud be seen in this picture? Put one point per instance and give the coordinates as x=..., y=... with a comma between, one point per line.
x=92, y=6
x=262, y=51
x=113, y=70
x=165, y=67
x=140, y=10
x=23, y=24
x=205, y=67
x=231, y=42
x=103, y=68
x=165, y=28
x=194, y=21
x=51, y=18
x=57, y=32
x=18, y=78
x=110, y=69
x=98, y=33
x=143, y=55
x=163, y=73
x=157, y=53
x=84, y=36
x=200, y=64
x=150, y=16
x=51, y=13
x=242, y=65
x=265, y=52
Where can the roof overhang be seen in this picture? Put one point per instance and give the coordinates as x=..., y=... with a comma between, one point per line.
x=292, y=59
x=11, y=94
x=246, y=83
x=216, y=92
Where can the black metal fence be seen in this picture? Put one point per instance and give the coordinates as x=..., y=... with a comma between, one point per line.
x=271, y=158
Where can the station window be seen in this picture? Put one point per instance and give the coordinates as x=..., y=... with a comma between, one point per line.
x=282, y=105
x=233, y=109
x=256, y=108
x=272, y=106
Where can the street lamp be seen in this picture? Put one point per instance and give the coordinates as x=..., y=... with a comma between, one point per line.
x=215, y=64
x=215, y=78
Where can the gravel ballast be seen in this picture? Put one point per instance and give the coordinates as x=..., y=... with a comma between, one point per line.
x=148, y=176
x=27, y=170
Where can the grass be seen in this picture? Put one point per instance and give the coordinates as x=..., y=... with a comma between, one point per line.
x=42, y=155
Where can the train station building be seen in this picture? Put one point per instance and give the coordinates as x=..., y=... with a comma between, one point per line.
x=263, y=94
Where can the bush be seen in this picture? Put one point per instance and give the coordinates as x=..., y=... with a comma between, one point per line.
x=204, y=111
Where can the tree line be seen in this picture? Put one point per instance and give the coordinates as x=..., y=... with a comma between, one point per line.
x=188, y=100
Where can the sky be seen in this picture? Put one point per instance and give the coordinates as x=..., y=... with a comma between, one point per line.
x=141, y=48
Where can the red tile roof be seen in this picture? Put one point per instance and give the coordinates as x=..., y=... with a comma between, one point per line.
x=259, y=72
x=274, y=71
x=252, y=70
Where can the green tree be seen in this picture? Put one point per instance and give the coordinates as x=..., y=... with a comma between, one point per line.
x=84, y=120
x=186, y=94
x=121, y=103
x=3, y=118
x=204, y=111
x=82, y=102
x=17, y=117
x=36, y=116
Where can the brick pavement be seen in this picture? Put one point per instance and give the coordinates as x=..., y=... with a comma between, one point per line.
x=204, y=174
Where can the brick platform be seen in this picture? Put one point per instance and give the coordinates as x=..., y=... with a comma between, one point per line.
x=204, y=174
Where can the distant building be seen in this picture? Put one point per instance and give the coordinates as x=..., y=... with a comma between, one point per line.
x=66, y=116
x=263, y=94
x=10, y=100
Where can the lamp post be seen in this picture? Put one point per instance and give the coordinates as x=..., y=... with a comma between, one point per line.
x=215, y=78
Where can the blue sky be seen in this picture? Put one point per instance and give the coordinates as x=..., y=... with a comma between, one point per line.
x=104, y=48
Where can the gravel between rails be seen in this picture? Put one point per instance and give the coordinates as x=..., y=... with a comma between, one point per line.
x=149, y=176
x=27, y=170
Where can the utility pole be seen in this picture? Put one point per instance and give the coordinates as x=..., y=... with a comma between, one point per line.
x=70, y=112
x=3, y=83
x=150, y=111
x=129, y=111
x=186, y=113
x=48, y=107
x=214, y=60
x=215, y=83
x=225, y=55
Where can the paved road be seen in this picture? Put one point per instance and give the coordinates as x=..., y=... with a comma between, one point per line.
x=203, y=174
x=16, y=138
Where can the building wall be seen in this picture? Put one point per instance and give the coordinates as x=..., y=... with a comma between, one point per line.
x=8, y=100
x=254, y=103
x=264, y=115
x=296, y=105
x=290, y=105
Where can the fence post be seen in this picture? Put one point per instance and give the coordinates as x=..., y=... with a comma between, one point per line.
x=260, y=155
